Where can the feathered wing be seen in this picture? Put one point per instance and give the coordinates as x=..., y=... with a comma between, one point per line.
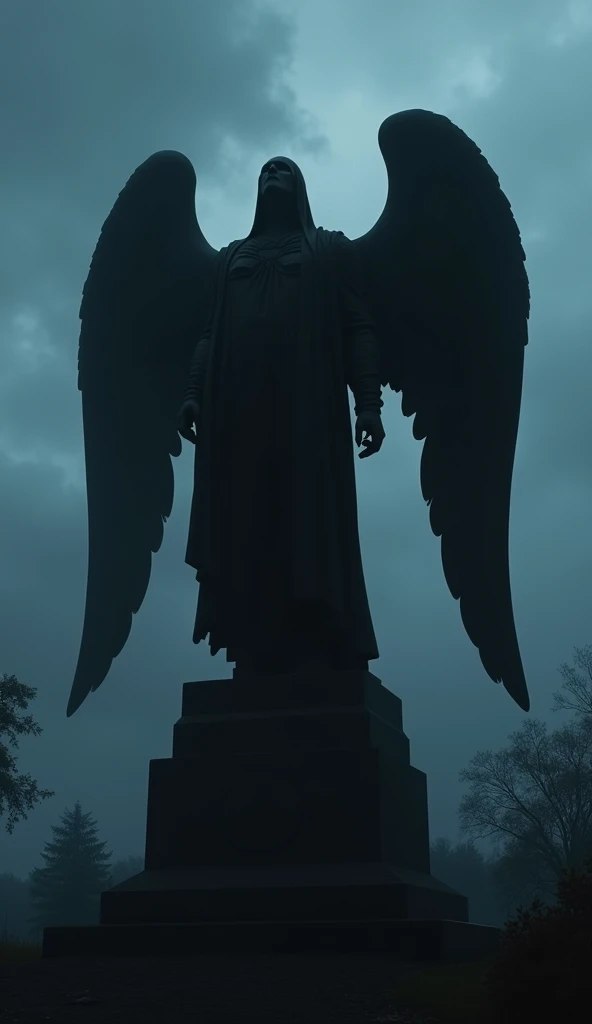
x=448, y=287
x=142, y=308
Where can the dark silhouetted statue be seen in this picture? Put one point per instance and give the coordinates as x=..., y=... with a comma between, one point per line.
x=249, y=353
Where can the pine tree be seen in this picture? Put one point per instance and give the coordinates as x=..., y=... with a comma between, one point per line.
x=67, y=890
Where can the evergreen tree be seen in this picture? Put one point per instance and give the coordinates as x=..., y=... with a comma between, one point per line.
x=67, y=890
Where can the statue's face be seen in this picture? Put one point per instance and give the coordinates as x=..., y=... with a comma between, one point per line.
x=276, y=174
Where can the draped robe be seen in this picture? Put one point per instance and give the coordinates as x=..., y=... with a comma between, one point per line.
x=273, y=533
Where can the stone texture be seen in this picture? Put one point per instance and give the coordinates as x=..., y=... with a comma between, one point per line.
x=430, y=941
x=288, y=769
x=288, y=817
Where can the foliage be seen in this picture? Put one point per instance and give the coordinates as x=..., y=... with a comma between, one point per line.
x=466, y=869
x=576, y=685
x=534, y=797
x=18, y=793
x=542, y=971
x=67, y=890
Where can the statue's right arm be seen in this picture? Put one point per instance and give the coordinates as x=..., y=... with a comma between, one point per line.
x=199, y=365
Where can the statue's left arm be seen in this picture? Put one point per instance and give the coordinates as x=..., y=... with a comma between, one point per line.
x=362, y=351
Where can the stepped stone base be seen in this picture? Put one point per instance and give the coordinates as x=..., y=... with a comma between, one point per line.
x=427, y=941
x=289, y=818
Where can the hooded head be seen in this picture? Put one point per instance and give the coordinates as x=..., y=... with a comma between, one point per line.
x=280, y=175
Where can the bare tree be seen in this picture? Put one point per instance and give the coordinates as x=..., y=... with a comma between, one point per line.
x=533, y=798
x=18, y=793
x=576, y=685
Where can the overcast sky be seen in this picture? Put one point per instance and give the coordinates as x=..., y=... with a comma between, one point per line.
x=87, y=92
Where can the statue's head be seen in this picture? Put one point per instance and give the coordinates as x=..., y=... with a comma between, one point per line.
x=281, y=184
x=277, y=175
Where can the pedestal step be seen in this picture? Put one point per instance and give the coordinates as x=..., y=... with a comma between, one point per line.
x=287, y=769
x=288, y=819
x=280, y=893
x=410, y=941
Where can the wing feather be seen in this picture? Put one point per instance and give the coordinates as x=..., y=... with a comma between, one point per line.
x=448, y=286
x=142, y=308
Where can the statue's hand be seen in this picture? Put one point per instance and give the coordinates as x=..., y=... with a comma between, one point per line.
x=188, y=418
x=369, y=433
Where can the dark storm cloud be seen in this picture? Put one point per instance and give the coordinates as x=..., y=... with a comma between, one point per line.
x=88, y=91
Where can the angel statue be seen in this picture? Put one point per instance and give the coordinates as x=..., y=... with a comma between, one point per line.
x=249, y=353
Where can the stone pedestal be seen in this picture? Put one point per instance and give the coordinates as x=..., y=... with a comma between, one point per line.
x=289, y=817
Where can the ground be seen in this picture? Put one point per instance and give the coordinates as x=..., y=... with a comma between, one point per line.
x=291, y=989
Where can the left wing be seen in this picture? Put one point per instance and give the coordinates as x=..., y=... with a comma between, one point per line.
x=143, y=304
x=446, y=282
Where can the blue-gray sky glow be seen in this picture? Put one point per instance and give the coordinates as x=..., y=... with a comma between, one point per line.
x=87, y=92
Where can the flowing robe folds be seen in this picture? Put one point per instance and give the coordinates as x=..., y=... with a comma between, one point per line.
x=273, y=534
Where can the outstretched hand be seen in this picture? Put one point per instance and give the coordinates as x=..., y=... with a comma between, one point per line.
x=369, y=433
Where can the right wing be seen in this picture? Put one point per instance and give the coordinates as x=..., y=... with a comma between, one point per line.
x=143, y=306
x=447, y=283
